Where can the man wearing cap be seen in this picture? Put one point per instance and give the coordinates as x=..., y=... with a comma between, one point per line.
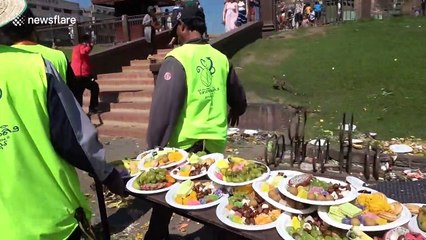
x=44, y=134
x=189, y=107
x=23, y=36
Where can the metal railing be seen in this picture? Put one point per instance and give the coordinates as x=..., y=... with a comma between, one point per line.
x=103, y=31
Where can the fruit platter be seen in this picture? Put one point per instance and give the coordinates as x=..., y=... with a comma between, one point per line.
x=151, y=181
x=235, y=171
x=306, y=188
x=196, y=167
x=417, y=222
x=370, y=212
x=309, y=227
x=268, y=190
x=247, y=212
x=163, y=158
x=194, y=195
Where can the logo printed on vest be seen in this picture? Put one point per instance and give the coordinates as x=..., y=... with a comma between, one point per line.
x=5, y=132
x=206, y=71
x=1, y=93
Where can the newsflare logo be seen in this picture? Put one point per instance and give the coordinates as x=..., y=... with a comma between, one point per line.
x=54, y=20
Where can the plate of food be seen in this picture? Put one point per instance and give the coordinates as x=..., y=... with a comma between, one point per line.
x=306, y=188
x=291, y=227
x=370, y=212
x=268, y=190
x=194, y=195
x=247, y=212
x=127, y=167
x=151, y=181
x=196, y=167
x=163, y=158
x=417, y=222
x=235, y=171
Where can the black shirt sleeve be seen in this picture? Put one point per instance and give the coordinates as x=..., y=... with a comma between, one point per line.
x=235, y=93
x=72, y=134
x=167, y=102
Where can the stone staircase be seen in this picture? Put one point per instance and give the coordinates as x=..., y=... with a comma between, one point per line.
x=125, y=100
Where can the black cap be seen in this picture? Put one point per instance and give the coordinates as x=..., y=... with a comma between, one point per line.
x=187, y=15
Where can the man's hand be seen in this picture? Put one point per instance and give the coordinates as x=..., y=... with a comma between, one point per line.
x=233, y=119
x=115, y=183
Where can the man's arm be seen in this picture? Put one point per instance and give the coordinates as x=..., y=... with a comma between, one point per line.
x=235, y=94
x=72, y=135
x=167, y=102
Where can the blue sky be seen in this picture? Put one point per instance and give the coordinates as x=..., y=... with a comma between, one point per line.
x=212, y=9
x=83, y=3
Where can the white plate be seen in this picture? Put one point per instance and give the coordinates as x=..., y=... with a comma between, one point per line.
x=413, y=227
x=215, y=156
x=184, y=158
x=257, y=187
x=250, y=132
x=347, y=127
x=315, y=142
x=403, y=219
x=350, y=195
x=170, y=199
x=400, y=148
x=222, y=213
x=283, y=222
x=130, y=187
x=355, y=141
x=232, y=131
x=213, y=169
x=140, y=156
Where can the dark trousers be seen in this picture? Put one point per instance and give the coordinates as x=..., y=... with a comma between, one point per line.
x=160, y=217
x=82, y=83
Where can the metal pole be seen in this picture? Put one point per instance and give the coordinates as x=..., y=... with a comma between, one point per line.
x=102, y=210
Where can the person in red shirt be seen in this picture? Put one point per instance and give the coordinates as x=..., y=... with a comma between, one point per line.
x=80, y=63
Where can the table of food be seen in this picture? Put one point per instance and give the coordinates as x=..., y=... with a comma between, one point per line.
x=247, y=198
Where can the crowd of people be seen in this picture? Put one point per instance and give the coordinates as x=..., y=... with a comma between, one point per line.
x=299, y=14
x=45, y=134
x=238, y=12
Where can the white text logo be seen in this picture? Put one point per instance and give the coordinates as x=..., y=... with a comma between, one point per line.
x=55, y=20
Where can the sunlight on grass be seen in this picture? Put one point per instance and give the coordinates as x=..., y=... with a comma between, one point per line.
x=375, y=69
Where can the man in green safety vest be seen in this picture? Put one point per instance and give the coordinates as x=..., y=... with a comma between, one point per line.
x=189, y=107
x=44, y=134
x=23, y=36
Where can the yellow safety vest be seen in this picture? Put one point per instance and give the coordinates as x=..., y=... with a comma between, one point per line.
x=39, y=191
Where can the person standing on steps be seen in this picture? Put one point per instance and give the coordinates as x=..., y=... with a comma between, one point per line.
x=84, y=79
x=151, y=25
x=195, y=85
x=45, y=134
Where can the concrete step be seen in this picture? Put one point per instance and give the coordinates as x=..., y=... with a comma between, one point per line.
x=126, y=81
x=123, y=131
x=125, y=88
x=137, y=116
x=130, y=106
x=130, y=75
x=144, y=63
x=138, y=69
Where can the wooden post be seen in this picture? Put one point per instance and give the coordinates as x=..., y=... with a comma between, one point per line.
x=125, y=26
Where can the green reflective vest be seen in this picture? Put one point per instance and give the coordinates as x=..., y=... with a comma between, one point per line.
x=56, y=57
x=204, y=114
x=39, y=191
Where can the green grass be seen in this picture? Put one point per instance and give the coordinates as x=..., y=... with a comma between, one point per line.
x=68, y=50
x=386, y=96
